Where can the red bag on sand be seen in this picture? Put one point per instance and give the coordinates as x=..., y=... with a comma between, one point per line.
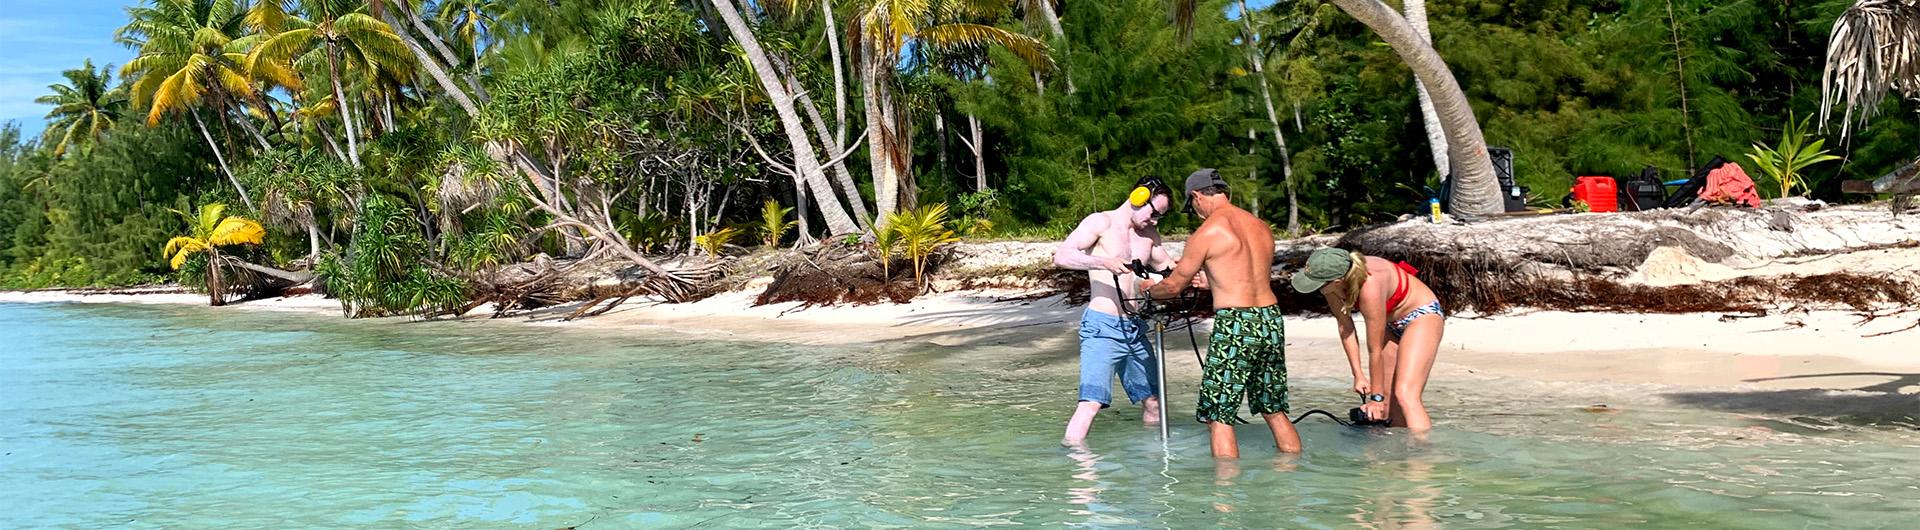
x=1730, y=184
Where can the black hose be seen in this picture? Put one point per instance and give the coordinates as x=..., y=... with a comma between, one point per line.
x=1329, y=415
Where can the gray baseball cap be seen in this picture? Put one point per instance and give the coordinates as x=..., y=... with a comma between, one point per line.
x=1204, y=178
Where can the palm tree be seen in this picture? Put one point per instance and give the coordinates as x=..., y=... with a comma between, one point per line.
x=1436, y=135
x=83, y=108
x=884, y=29
x=1043, y=13
x=188, y=55
x=1874, y=49
x=210, y=231
x=337, y=32
x=472, y=22
x=1475, y=191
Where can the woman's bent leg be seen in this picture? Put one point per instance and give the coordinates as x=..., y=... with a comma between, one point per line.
x=1418, y=347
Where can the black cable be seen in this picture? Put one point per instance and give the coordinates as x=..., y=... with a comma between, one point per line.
x=1329, y=415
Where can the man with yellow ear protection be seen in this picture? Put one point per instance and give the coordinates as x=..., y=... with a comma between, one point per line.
x=1112, y=343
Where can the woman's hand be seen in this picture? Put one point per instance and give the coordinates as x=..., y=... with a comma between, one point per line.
x=1362, y=387
x=1375, y=411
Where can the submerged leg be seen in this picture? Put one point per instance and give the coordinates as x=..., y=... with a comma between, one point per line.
x=1284, y=436
x=1418, y=347
x=1081, y=423
x=1224, y=446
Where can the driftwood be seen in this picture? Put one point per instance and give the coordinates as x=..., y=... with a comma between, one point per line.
x=836, y=273
x=543, y=282
x=1579, y=263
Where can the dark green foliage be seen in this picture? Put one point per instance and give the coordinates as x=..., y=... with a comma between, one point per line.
x=647, y=119
x=1145, y=105
x=102, y=215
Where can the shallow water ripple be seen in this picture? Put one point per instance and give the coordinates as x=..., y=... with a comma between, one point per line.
x=157, y=417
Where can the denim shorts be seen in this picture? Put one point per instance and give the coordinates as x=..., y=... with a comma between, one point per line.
x=1111, y=345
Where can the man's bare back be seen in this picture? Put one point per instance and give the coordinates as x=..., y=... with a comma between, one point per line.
x=1238, y=258
x=1236, y=251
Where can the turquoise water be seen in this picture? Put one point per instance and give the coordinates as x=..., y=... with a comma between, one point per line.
x=178, y=417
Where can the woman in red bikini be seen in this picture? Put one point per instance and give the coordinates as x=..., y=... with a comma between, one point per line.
x=1404, y=325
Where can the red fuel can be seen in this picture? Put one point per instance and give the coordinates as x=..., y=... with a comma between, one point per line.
x=1602, y=193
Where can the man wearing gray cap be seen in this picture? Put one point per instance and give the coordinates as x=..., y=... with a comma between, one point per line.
x=1245, y=357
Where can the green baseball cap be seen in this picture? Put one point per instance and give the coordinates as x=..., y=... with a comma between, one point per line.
x=1323, y=267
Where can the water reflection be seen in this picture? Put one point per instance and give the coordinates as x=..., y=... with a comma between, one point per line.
x=1408, y=492
x=1088, y=485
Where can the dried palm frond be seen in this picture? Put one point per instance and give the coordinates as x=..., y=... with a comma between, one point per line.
x=1872, y=51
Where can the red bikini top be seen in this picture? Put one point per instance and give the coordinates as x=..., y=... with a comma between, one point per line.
x=1400, y=290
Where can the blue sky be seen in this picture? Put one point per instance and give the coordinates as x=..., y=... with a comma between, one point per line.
x=40, y=38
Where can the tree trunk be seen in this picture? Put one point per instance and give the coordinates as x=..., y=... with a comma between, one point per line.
x=839, y=86
x=246, y=124
x=340, y=104
x=1680, y=72
x=886, y=177
x=940, y=129
x=436, y=71
x=332, y=145
x=222, y=159
x=1273, y=118
x=805, y=159
x=291, y=276
x=800, y=211
x=313, y=240
x=979, y=148
x=216, y=285
x=445, y=52
x=1060, y=34
x=834, y=148
x=1475, y=192
x=1436, y=136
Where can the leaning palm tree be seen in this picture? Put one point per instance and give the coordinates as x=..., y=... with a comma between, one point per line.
x=884, y=29
x=1475, y=190
x=189, y=59
x=84, y=107
x=342, y=36
x=210, y=231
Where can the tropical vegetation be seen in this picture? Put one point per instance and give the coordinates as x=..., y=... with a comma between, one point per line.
x=405, y=151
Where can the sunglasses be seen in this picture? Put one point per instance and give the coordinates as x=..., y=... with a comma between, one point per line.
x=1157, y=214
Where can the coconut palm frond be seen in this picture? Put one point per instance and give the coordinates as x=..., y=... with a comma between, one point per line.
x=179, y=248
x=1874, y=49
x=237, y=231
x=1029, y=49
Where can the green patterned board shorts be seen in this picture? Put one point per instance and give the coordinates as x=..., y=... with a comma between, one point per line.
x=1246, y=355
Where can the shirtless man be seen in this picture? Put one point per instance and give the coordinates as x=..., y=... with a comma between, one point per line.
x=1245, y=353
x=1110, y=341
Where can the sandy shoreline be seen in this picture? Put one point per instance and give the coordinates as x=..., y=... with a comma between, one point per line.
x=1824, y=350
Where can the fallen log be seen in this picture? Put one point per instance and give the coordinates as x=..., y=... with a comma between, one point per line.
x=1902, y=181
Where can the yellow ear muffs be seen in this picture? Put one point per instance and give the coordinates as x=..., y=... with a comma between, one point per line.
x=1140, y=196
